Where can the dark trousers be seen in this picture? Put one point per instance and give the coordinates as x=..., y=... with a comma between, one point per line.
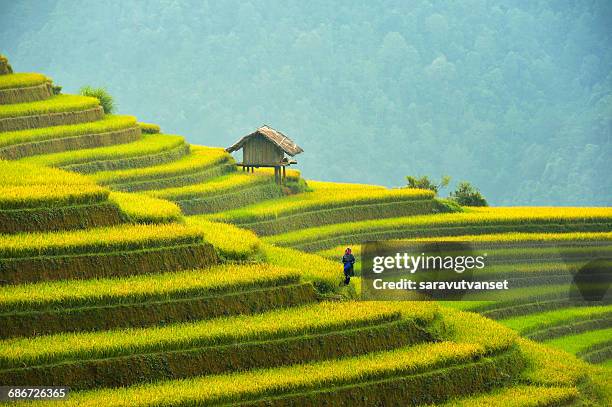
x=347, y=275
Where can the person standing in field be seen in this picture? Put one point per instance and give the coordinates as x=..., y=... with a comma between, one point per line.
x=349, y=261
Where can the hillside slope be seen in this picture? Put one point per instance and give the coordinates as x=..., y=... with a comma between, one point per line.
x=122, y=297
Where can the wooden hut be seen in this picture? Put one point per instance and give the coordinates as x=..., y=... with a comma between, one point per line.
x=266, y=147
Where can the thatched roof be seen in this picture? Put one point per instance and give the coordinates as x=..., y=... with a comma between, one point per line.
x=275, y=136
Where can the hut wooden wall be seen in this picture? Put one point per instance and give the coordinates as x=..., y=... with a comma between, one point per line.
x=260, y=151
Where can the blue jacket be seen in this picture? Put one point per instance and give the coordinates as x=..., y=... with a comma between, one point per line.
x=349, y=261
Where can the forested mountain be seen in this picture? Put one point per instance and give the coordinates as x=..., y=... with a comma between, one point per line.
x=513, y=96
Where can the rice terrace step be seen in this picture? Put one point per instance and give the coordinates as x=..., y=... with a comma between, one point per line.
x=36, y=200
x=150, y=150
x=200, y=166
x=216, y=349
x=25, y=87
x=138, y=301
x=56, y=111
x=108, y=131
x=23, y=143
x=94, y=253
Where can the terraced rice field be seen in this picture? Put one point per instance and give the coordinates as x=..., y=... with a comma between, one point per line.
x=107, y=124
x=150, y=150
x=220, y=186
x=329, y=206
x=34, y=199
x=230, y=241
x=140, y=208
x=56, y=104
x=593, y=345
x=84, y=241
x=28, y=186
x=22, y=80
x=107, y=131
x=149, y=128
x=110, y=289
x=24, y=87
x=319, y=199
x=473, y=222
x=202, y=160
x=548, y=308
x=455, y=361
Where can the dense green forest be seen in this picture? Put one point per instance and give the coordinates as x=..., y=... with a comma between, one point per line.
x=514, y=96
